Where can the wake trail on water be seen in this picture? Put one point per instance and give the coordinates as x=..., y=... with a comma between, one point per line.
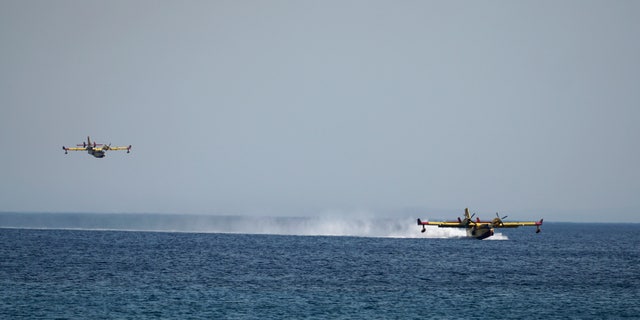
x=345, y=226
x=358, y=225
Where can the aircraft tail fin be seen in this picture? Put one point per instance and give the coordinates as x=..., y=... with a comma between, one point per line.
x=466, y=213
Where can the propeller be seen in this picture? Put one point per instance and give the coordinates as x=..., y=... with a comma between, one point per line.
x=497, y=220
x=468, y=221
x=107, y=147
x=471, y=219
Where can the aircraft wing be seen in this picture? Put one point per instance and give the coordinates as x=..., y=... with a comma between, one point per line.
x=120, y=148
x=74, y=149
x=442, y=224
x=446, y=224
x=515, y=224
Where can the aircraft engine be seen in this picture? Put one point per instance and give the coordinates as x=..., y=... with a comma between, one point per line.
x=497, y=221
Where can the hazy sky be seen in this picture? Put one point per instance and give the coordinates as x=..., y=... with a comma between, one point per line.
x=379, y=108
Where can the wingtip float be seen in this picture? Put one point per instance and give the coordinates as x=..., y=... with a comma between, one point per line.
x=95, y=149
x=477, y=228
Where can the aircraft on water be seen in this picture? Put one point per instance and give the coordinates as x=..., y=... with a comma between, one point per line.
x=95, y=149
x=479, y=229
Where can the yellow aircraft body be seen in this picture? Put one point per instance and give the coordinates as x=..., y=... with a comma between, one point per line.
x=95, y=149
x=477, y=228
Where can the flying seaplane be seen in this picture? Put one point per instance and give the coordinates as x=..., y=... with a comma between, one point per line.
x=479, y=229
x=95, y=149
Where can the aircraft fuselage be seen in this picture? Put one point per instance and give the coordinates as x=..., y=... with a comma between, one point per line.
x=480, y=232
x=96, y=153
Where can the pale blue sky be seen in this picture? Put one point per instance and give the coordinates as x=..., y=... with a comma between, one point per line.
x=314, y=108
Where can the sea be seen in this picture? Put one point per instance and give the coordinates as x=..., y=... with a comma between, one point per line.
x=84, y=266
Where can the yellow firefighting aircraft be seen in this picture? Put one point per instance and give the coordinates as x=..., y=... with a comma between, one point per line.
x=95, y=149
x=479, y=229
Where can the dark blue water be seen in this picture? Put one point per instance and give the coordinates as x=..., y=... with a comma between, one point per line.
x=569, y=271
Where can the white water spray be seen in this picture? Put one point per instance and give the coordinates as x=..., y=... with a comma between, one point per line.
x=330, y=224
x=339, y=226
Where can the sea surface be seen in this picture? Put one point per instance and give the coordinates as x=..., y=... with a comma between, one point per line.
x=568, y=271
